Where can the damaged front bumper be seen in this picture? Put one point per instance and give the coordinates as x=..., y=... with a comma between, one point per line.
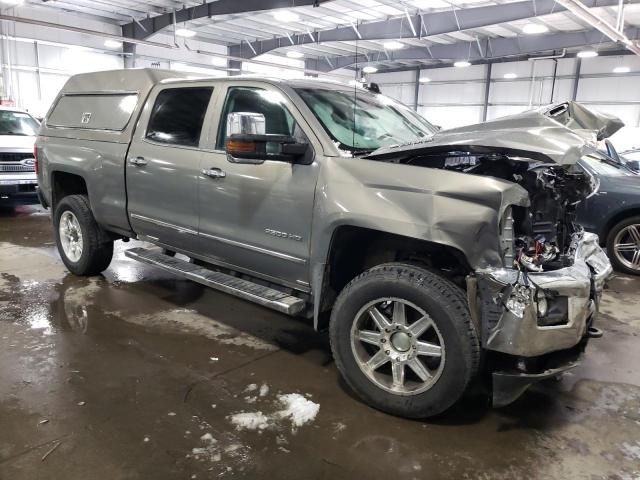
x=532, y=316
x=534, y=313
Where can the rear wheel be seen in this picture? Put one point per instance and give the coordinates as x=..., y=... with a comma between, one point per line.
x=83, y=245
x=623, y=245
x=403, y=339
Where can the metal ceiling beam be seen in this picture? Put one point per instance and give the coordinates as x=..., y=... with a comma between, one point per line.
x=144, y=28
x=492, y=48
x=520, y=58
x=421, y=25
x=616, y=33
x=84, y=31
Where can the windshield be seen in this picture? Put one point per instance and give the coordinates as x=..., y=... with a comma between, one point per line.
x=18, y=123
x=602, y=165
x=633, y=156
x=361, y=121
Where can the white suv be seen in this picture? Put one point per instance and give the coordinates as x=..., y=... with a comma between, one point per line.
x=18, y=131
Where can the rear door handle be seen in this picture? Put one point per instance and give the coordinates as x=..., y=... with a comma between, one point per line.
x=214, y=173
x=137, y=161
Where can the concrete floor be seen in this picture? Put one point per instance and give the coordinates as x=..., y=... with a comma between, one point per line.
x=120, y=376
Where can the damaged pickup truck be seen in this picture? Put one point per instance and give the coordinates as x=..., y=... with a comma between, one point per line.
x=435, y=258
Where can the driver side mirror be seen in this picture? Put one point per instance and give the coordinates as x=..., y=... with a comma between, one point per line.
x=247, y=142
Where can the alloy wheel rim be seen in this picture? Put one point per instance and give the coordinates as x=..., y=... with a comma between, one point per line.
x=626, y=246
x=398, y=346
x=70, y=236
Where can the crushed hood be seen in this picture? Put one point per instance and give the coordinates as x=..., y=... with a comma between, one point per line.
x=561, y=133
x=577, y=117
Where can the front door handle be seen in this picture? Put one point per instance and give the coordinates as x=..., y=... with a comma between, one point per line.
x=137, y=161
x=214, y=173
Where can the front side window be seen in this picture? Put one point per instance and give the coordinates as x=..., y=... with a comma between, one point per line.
x=18, y=123
x=270, y=103
x=360, y=121
x=178, y=115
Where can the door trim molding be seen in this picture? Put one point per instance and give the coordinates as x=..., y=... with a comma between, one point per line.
x=163, y=224
x=254, y=248
x=247, y=246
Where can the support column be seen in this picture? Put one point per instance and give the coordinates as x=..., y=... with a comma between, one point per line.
x=416, y=94
x=235, y=64
x=553, y=83
x=38, y=79
x=576, y=79
x=487, y=88
x=130, y=58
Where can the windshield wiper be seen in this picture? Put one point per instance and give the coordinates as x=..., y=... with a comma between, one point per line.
x=356, y=150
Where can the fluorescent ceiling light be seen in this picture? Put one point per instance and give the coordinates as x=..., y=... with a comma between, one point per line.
x=510, y=76
x=294, y=54
x=461, y=64
x=286, y=16
x=424, y=80
x=369, y=69
x=388, y=10
x=112, y=44
x=621, y=70
x=393, y=45
x=430, y=3
x=534, y=28
x=360, y=15
x=587, y=54
x=185, y=32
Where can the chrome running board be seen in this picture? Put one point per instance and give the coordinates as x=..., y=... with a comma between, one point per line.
x=245, y=289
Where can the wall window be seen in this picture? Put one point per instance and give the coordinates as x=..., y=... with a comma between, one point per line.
x=178, y=115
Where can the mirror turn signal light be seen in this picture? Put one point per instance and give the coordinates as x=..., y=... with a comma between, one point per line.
x=240, y=146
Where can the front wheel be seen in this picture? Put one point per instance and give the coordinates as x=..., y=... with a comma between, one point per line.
x=404, y=341
x=623, y=245
x=83, y=246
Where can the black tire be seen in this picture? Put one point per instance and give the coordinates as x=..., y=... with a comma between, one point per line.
x=97, y=249
x=611, y=238
x=444, y=302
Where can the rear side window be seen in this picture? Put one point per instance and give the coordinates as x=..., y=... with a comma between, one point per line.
x=93, y=112
x=178, y=115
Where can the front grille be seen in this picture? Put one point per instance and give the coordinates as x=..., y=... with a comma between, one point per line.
x=14, y=157
x=16, y=168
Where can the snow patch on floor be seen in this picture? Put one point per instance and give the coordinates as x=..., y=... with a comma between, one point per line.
x=298, y=409
x=264, y=390
x=292, y=408
x=250, y=421
x=631, y=451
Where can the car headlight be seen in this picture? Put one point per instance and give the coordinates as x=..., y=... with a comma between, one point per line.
x=507, y=238
x=543, y=305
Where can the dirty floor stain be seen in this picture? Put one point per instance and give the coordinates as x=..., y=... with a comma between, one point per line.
x=136, y=375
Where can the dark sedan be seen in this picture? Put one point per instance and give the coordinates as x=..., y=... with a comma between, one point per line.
x=631, y=159
x=613, y=212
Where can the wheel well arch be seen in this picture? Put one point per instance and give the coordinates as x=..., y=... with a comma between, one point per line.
x=618, y=217
x=354, y=249
x=64, y=184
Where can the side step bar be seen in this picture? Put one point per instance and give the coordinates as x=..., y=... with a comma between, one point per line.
x=265, y=296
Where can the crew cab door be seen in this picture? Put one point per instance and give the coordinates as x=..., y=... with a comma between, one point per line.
x=163, y=165
x=255, y=216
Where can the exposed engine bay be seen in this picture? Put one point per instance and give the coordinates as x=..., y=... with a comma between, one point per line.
x=540, y=237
